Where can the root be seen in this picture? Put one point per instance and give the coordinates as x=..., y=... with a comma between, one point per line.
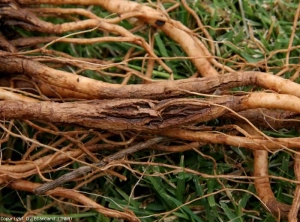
x=262, y=182
x=66, y=193
x=293, y=214
x=64, y=106
x=159, y=90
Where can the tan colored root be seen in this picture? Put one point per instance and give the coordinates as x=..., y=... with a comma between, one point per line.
x=32, y=23
x=22, y=84
x=27, y=168
x=262, y=181
x=173, y=29
x=259, y=143
x=263, y=187
x=159, y=90
x=8, y=95
x=205, y=32
x=76, y=196
x=293, y=215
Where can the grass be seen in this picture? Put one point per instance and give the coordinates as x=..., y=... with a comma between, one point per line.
x=169, y=189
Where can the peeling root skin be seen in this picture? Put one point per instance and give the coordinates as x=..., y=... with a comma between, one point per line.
x=142, y=114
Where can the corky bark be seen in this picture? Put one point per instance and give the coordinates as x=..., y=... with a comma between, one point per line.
x=141, y=114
